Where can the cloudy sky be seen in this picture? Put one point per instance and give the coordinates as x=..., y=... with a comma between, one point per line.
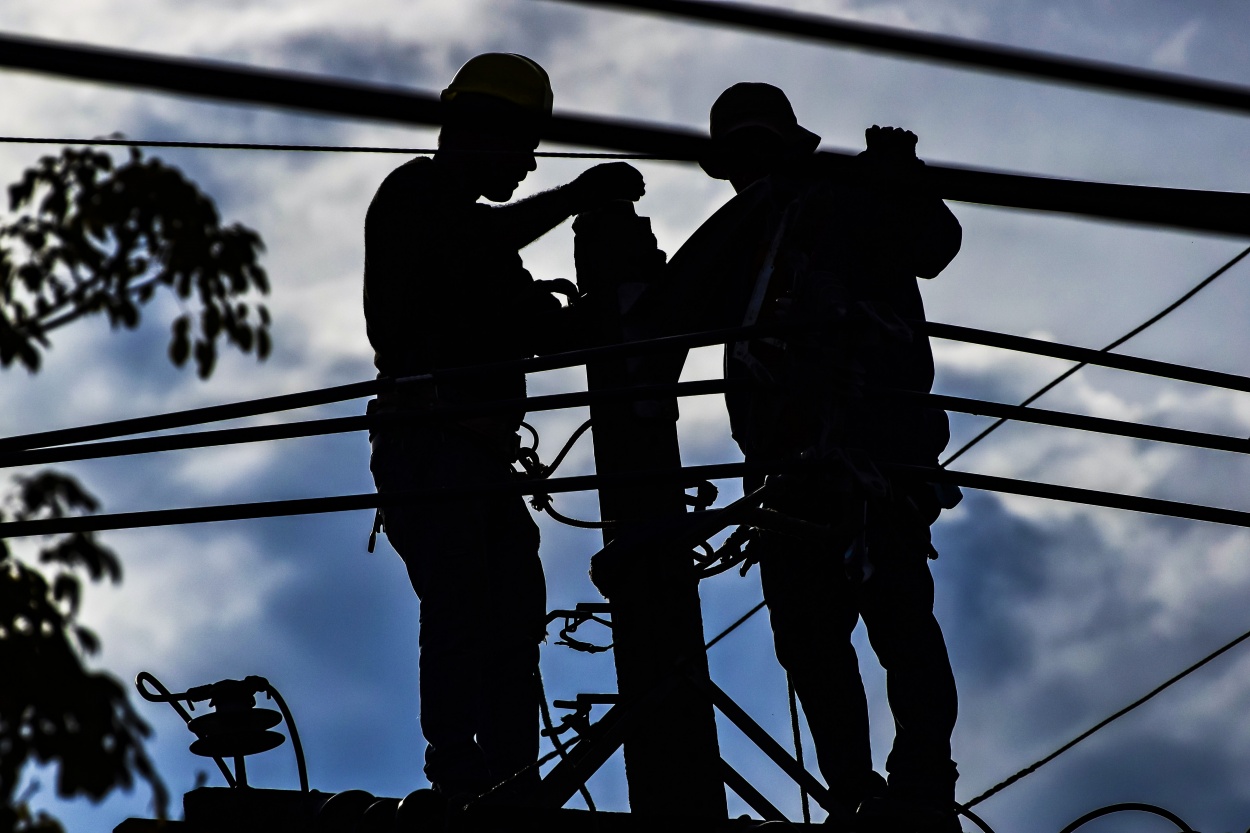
x=1056, y=615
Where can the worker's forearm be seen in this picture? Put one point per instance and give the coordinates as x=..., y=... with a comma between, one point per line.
x=523, y=222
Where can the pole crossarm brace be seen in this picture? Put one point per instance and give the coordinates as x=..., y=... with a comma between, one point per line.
x=958, y=52
x=1209, y=211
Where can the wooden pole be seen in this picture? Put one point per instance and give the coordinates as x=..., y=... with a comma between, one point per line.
x=672, y=759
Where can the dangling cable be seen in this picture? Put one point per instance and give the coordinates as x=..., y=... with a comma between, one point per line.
x=798, y=745
x=273, y=694
x=163, y=695
x=551, y=732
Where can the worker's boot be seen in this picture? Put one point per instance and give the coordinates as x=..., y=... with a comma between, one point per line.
x=849, y=796
x=891, y=812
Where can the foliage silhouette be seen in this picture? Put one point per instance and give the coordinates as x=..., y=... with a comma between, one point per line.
x=86, y=237
x=95, y=238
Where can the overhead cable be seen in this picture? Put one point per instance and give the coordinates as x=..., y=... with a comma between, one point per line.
x=1219, y=212
x=84, y=447
x=688, y=476
x=156, y=143
x=359, y=390
x=550, y=402
x=1131, y=807
x=1031, y=768
x=1140, y=328
x=1119, y=361
x=741, y=620
x=945, y=49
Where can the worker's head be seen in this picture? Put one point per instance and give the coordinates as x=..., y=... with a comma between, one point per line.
x=495, y=111
x=754, y=131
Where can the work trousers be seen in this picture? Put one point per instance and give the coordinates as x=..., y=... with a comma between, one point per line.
x=474, y=565
x=814, y=607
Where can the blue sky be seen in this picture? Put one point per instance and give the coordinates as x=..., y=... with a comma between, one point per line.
x=1056, y=615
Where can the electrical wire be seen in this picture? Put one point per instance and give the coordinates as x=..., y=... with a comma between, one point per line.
x=359, y=390
x=1214, y=211
x=1145, y=325
x=85, y=434
x=960, y=52
x=164, y=695
x=690, y=476
x=1137, y=806
x=741, y=620
x=156, y=143
x=797, y=735
x=1033, y=767
x=554, y=737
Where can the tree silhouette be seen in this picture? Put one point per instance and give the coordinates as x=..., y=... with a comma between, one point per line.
x=90, y=237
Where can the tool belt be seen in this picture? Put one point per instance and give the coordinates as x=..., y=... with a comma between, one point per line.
x=496, y=434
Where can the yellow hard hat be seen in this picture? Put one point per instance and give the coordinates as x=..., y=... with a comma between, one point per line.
x=504, y=75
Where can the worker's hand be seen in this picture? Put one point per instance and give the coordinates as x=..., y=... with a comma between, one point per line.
x=607, y=182
x=890, y=144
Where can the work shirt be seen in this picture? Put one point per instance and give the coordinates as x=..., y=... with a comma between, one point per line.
x=445, y=287
x=843, y=246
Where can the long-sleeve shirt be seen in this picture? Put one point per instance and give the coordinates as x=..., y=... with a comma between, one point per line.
x=842, y=244
x=445, y=286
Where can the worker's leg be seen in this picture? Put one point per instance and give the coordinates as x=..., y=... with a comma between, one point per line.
x=813, y=615
x=515, y=595
x=897, y=606
x=445, y=547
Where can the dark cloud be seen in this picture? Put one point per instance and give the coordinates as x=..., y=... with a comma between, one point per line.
x=356, y=54
x=992, y=566
x=1202, y=786
x=535, y=30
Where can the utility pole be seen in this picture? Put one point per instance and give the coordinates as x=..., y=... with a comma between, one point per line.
x=672, y=759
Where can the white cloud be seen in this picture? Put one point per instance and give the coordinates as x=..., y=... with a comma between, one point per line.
x=1173, y=53
x=183, y=595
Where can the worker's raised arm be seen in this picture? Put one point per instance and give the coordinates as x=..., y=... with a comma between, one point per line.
x=924, y=235
x=524, y=221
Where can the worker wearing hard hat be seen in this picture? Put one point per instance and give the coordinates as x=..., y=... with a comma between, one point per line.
x=445, y=287
x=840, y=251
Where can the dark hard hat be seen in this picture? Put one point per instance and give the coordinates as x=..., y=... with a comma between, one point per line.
x=752, y=104
x=505, y=76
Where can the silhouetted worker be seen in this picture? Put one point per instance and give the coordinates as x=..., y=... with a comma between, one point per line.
x=843, y=254
x=445, y=287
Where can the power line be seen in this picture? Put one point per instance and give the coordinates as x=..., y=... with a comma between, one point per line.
x=1214, y=211
x=1154, y=319
x=548, y=402
x=1031, y=768
x=359, y=390
x=1119, y=361
x=949, y=50
x=1071, y=494
x=343, y=425
x=690, y=476
x=79, y=443
x=154, y=143
x=741, y=620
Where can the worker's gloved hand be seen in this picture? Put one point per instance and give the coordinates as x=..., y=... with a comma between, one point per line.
x=607, y=182
x=890, y=144
x=560, y=286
